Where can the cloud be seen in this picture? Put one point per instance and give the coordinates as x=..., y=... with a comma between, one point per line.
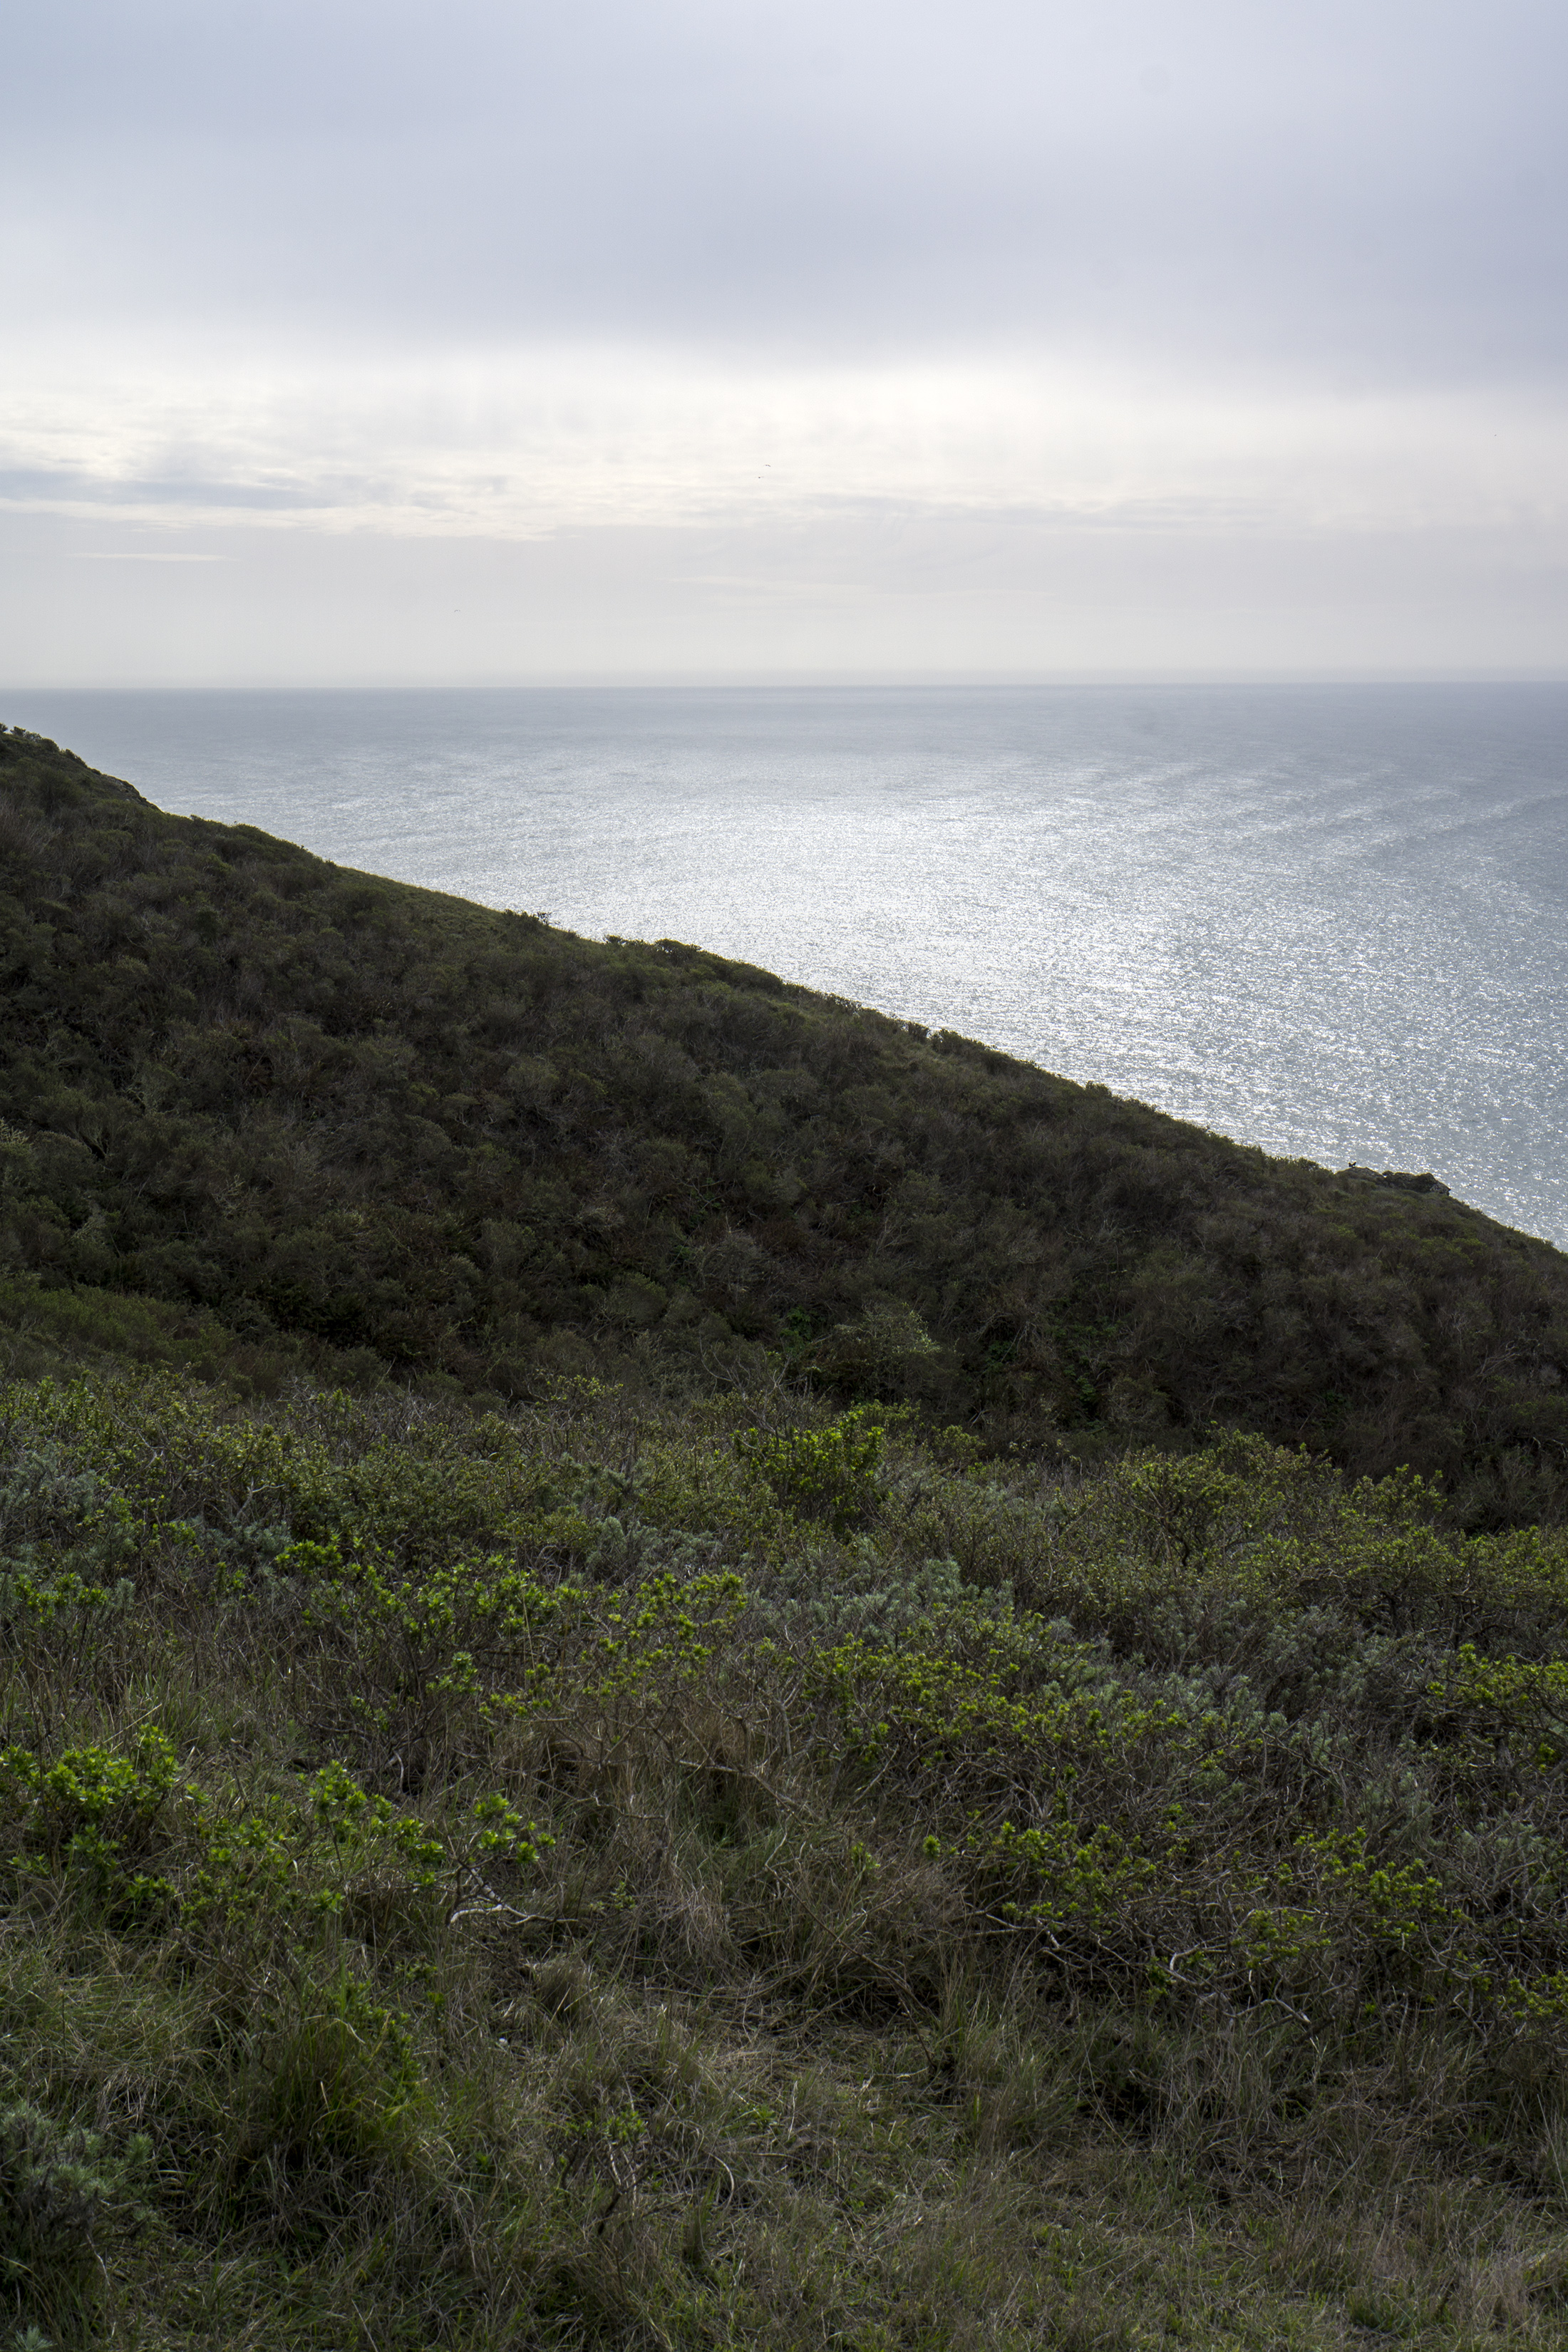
x=516, y=444
x=1006, y=275
x=520, y=445
x=1381, y=189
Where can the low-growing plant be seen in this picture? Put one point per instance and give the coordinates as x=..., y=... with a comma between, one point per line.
x=68, y=2198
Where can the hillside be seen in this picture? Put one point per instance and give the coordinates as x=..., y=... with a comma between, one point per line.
x=702, y=1878
x=370, y=1128
x=641, y=1713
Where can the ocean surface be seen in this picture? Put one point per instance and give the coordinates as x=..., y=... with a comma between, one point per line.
x=1331, y=920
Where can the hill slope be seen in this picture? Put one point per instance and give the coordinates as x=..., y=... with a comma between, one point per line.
x=399, y=1130
x=678, y=1865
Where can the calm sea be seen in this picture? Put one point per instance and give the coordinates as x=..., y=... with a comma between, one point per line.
x=1333, y=920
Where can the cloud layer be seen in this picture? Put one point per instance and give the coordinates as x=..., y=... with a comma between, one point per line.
x=1148, y=315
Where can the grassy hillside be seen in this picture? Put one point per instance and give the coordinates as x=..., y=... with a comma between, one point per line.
x=362, y=1124
x=640, y=1709
x=612, y=1876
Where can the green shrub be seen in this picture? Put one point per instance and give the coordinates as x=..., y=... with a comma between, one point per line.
x=827, y=1472
x=87, y=1821
x=66, y=2198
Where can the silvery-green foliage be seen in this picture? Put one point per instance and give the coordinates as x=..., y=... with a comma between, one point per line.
x=827, y=1592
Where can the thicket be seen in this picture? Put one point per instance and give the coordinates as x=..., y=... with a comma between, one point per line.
x=612, y=1874
x=265, y=1115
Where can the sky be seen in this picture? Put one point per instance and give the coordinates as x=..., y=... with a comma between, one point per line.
x=493, y=341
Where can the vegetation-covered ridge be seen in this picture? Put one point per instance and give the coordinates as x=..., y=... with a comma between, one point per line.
x=252, y=1097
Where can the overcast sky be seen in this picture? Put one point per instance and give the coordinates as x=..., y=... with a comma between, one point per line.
x=496, y=340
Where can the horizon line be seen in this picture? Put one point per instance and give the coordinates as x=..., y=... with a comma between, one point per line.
x=743, y=681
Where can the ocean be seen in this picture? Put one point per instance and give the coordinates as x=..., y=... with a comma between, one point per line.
x=1331, y=920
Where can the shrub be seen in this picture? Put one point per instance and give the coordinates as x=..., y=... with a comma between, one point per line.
x=827, y=1472
x=65, y=2196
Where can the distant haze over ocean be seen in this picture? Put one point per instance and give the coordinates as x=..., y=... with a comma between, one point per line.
x=1329, y=919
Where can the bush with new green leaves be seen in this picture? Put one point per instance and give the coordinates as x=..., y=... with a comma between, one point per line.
x=826, y=1472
